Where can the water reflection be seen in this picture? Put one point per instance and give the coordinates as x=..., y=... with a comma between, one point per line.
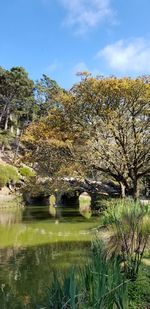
x=36, y=213
x=33, y=243
x=10, y=216
x=26, y=273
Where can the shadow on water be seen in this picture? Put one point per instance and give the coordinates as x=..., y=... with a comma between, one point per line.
x=36, y=213
x=60, y=213
x=25, y=273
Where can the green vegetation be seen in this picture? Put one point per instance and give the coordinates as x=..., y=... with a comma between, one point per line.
x=139, y=291
x=100, y=277
x=26, y=172
x=21, y=102
x=8, y=175
x=115, y=276
x=16, y=98
x=6, y=137
x=99, y=284
x=129, y=227
x=98, y=130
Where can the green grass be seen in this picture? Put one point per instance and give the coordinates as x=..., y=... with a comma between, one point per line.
x=139, y=291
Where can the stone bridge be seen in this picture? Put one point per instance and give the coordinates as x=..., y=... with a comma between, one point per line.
x=71, y=197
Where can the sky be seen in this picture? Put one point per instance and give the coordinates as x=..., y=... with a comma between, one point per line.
x=62, y=37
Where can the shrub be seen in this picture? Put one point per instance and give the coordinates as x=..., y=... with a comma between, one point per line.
x=5, y=138
x=8, y=174
x=129, y=232
x=12, y=173
x=26, y=171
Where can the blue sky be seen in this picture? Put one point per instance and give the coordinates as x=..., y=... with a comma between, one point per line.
x=61, y=37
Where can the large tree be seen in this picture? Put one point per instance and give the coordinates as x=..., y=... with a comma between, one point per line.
x=16, y=96
x=100, y=125
x=45, y=89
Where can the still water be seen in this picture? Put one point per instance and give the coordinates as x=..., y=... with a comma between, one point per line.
x=32, y=245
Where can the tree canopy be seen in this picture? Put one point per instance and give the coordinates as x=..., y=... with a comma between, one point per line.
x=98, y=128
x=16, y=95
x=101, y=125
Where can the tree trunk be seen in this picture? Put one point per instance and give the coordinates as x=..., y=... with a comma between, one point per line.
x=135, y=189
x=12, y=129
x=123, y=188
x=11, y=116
x=3, y=112
x=6, y=121
x=18, y=138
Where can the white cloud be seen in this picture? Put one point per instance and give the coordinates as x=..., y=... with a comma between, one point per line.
x=85, y=14
x=128, y=56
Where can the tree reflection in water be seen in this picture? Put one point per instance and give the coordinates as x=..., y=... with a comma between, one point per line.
x=25, y=273
x=32, y=245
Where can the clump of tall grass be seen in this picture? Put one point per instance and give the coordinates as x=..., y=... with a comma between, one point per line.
x=99, y=284
x=128, y=225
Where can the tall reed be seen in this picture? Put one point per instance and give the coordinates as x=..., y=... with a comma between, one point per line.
x=99, y=284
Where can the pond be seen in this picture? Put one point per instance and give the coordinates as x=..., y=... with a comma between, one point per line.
x=32, y=245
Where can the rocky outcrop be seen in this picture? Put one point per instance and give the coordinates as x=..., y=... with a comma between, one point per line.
x=6, y=197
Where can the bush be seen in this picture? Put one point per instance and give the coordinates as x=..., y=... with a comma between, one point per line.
x=26, y=171
x=8, y=174
x=129, y=232
x=12, y=174
x=5, y=138
x=102, y=203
